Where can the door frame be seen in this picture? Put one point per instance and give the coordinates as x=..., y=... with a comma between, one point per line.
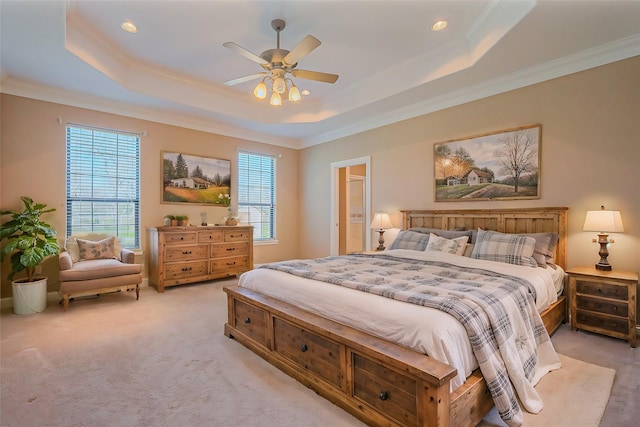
x=335, y=205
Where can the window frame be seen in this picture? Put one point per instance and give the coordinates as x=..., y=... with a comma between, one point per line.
x=243, y=213
x=127, y=157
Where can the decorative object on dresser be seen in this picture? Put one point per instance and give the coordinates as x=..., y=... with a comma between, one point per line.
x=181, y=255
x=603, y=222
x=604, y=302
x=380, y=222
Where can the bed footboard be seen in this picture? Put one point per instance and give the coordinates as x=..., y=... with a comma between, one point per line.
x=379, y=382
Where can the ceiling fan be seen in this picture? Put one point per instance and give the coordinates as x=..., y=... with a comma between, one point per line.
x=277, y=63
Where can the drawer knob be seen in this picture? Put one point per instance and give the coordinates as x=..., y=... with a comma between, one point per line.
x=304, y=348
x=231, y=249
x=247, y=320
x=383, y=395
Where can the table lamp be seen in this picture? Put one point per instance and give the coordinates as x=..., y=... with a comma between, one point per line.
x=603, y=222
x=379, y=223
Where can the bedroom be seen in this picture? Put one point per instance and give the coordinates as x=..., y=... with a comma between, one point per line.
x=589, y=151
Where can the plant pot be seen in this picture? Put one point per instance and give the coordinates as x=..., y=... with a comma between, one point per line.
x=231, y=222
x=29, y=297
x=174, y=222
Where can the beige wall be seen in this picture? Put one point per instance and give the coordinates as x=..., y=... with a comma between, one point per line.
x=590, y=153
x=32, y=159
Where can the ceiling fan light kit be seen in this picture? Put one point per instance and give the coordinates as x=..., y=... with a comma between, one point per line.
x=278, y=64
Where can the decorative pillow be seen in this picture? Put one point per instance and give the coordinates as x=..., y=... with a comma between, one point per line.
x=468, y=250
x=407, y=239
x=103, y=249
x=71, y=244
x=545, y=249
x=508, y=248
x=451, y=246
x=447, y=234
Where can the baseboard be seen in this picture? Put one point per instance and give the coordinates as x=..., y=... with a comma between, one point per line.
x=8, y=302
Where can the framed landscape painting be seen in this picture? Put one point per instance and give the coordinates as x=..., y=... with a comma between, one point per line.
x=188, y=178
x=504, y=165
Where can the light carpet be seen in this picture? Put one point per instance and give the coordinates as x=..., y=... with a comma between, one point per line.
x=164, y=361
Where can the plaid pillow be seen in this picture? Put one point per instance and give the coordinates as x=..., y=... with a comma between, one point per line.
x=410, y=240
x=508, y=248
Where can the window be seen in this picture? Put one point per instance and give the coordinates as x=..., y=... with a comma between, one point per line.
x=257, y=193
x=103, y=183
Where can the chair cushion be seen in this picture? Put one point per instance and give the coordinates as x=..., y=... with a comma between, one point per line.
x=98, y=268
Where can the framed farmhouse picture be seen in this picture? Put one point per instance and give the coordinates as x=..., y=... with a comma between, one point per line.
x=188, y=178
x=504, y=165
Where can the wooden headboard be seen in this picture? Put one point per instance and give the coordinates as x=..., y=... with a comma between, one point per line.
x=525, y=220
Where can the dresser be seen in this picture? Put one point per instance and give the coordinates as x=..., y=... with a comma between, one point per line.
x=604, y=302
x=181, y=255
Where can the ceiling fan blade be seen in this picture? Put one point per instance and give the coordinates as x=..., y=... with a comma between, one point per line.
x=301, y=50
x=244, y=52
x=315, y=75
x=244, y=79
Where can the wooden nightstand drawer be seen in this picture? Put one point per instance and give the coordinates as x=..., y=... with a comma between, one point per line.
x=251, y=320
x=609, y=323
x=387, y=390
x=312, y=352
x=602, y=289
x=600, y=305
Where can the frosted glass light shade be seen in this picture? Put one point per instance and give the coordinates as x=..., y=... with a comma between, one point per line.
x=260, y=91
x=276, y=99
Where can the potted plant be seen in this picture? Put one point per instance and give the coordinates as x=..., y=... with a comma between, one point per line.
x=29, y=241
x=171, y=220
x=183, y=220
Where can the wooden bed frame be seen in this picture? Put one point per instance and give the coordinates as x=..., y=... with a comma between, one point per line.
x=380, y=382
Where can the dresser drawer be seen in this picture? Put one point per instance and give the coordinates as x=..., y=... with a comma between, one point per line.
x=250, y=320
x=607, y=323
x=236, y=236
x=388, y=391
x=312, y=352
x=210, y=236
x=601, y=305
x=175, y=238
x=182, y=253
x=185, y=269
x=602, y=289
x=230, y=265
x=229, y=249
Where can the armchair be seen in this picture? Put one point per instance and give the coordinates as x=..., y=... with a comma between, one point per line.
x=96, y=264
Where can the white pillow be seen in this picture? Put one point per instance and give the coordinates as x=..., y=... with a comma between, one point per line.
x=451, y=246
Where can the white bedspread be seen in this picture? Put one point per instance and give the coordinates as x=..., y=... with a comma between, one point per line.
x=425, y=330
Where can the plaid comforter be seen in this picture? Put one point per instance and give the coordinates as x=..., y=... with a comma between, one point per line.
x=497, y=311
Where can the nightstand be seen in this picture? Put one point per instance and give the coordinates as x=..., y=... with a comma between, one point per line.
x=604, y=302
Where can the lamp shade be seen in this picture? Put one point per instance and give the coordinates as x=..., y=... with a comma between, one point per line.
x=603, y=221
x=381, y=221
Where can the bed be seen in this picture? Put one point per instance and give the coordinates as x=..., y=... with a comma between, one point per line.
x=378, y=378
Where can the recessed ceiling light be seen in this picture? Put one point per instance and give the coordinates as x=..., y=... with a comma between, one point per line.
x=440, y=25
x=129, y=27
x=305, y=92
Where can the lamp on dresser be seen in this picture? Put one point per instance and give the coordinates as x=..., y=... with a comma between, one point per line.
x=379, y=223
x=603, y=222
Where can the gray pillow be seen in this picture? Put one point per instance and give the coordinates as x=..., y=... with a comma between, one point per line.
x=407, y=239
x=545, y=249
x=447, y=234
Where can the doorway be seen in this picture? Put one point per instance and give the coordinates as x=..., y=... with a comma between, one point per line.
x=351, y=208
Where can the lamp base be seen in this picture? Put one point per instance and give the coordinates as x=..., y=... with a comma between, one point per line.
x=380, y=241
x=603, y=267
